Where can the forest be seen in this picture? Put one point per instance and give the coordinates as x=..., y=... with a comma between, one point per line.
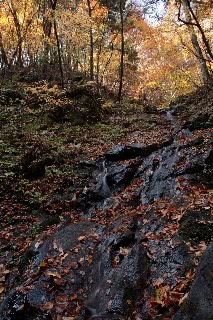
x=106, y=159
x=148, y=48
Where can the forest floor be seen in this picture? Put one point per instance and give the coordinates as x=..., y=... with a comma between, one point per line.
x=42, y=151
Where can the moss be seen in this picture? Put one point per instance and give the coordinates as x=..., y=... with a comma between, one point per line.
x=129, y=298
x=25, y=259
x=197, y=230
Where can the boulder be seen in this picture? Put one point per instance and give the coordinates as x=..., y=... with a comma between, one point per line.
x=209, y=158
x=197, y=225
x=114, y=285
x=10, y=96
x=150, y=109
x=84, y=109
x=123, y=152
x=199, y=303
x=120, y=175
x=199, y=121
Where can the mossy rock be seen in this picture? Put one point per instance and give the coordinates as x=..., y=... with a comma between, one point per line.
x=84, y=110
x=200, y=121
x=197, y=226
x=10, y=95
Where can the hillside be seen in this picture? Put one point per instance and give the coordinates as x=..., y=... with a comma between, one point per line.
x=106, y=207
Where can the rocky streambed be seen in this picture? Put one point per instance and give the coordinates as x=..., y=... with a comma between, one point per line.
x=135, y=251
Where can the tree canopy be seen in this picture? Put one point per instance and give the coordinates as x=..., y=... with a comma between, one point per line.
x=114, y=43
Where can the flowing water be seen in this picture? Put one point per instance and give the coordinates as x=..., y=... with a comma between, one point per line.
x=105, y=190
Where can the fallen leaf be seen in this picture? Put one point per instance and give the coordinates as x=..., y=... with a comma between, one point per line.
x=73, y=265
x=81, y=238
x=53, y=274
x=73, y=297
x=124, y=251
x=47, y=306
x=59, y=282
x=38, y=243
x=43, y=264
x=21, y=307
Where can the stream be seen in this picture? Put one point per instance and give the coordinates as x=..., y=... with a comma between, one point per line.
x=106, y=265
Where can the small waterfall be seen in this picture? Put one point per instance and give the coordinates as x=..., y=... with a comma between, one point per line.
x=105, y=190
x=169, y=115
x=187, y=132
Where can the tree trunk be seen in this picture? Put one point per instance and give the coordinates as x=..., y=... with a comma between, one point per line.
x=198, y=51
x=202, y=62
x=91, y=44
x=59, y=55
x=122, y=52
x=53, y=5
x=3, y=53
x=18, y=51
x=198, y=25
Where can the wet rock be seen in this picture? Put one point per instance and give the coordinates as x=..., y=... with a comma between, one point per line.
x=88, y=163
x=158, y=173
x=120, y=175
x=27, y=304
x=112, y=286
x=199, y=303
x=196, y=142
x=123, y=152
x=17, y=307
x=67, y=238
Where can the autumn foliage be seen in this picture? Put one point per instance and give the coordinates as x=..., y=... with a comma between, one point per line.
x=58, y=40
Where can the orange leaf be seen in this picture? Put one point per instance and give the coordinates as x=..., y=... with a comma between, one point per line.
x=47, y=306
x=73, y=296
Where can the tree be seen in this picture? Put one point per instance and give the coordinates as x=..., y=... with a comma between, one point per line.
x=191, y=21
x=53, y=5
x=122, y=49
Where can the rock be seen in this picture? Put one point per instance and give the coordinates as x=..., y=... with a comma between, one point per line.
x=199, y=303
x=158, y=174
x=197, y=226
x=196, y=165
x=123, y=152
x=35, y=170
x=196, y=142
x=209, y=158
x=150, y=109
x=10, y=96
x=113, y=286
x=27, y=304
x=199, y=121
x=84, y=109
x=17, y=307
x=76, y=90
x=88, y=163
x=120, y=175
